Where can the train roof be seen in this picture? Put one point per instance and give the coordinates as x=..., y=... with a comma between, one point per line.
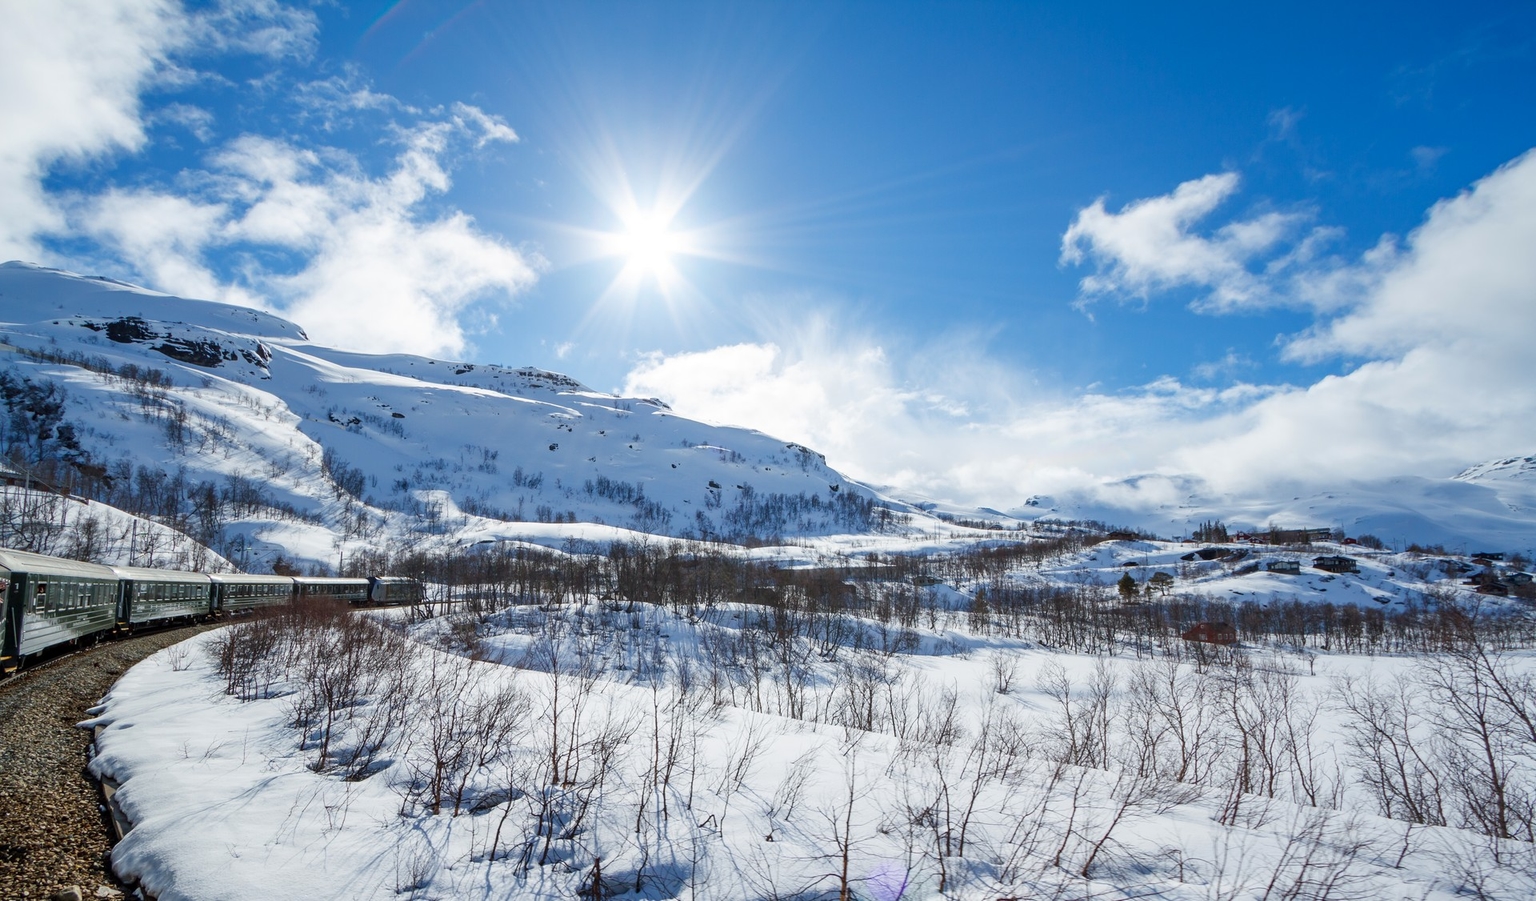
x=329, y=580
x=143, y=574
x=250, y=579
x=28, y=562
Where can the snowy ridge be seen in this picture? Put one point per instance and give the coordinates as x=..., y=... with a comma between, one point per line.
x=32, y=293
x=1511, y=469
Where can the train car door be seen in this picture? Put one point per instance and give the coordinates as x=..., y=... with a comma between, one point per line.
x=11, y=598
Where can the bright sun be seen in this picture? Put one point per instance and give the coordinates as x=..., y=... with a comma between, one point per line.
x=651, y=244
x=647, y=244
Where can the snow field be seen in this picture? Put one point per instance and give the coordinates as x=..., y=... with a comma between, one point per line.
x=671, y=755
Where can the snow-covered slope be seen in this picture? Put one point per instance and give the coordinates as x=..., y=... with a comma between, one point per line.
x=354, y=447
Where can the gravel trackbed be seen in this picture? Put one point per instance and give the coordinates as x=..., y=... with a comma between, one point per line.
x=53, y=832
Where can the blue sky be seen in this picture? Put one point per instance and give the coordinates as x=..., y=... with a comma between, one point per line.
x=979, y=251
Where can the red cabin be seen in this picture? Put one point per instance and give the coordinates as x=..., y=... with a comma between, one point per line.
x=1212, y=633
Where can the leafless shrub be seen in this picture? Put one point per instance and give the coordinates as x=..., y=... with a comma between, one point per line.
x=1004, y=669
x=248, y=658
x=463, y=731
x=1386, y=731
x=179, y=656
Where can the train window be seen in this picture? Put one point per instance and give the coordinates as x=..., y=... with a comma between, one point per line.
x=40, y=598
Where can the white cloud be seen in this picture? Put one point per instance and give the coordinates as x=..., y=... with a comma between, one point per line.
x=165, y=235
x=70, y=76
x=377, y=272
x=194, y=119
x=73, y=74
x=384, y=282
x=944, y=419
x=374, y=268
x=1464, y=282
x=1447, y=327
x=260, y=27
x=1150, y=246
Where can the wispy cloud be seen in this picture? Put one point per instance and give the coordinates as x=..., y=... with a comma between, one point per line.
x=73, y=74
x=266, y=28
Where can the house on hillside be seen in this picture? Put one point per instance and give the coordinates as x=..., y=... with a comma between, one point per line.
x=1285, y=567
x=1336, y=564
x=1493, y=587
x=1518, y=578
x=1212, y=633
x=1496, y=556
x=17, y=477
x=1206, y=553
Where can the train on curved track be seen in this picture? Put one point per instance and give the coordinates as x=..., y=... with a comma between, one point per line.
x=51, y=601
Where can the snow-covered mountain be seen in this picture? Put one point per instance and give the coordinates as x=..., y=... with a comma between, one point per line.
x=1490, y=506
x=334, y=451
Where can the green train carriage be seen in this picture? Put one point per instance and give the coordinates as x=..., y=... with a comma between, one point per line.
x=242, y=593
x=152, y=595
x=352, y=591
x=51, y=601
x=393, y=591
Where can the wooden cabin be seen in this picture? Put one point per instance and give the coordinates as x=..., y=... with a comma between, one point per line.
x=1212, y=633
x=1336, y=564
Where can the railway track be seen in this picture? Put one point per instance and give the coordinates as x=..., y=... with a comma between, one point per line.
x=54, y=832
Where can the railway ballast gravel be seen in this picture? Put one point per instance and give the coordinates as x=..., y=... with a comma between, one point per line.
x=54, y=833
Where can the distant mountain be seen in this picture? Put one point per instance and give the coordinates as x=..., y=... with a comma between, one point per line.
x=1490, y=506
x=267, y=444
